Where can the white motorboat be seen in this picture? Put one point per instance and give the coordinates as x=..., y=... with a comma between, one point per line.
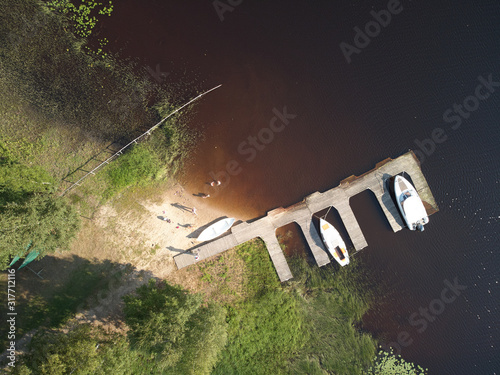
x=216, y=229
x=333, y=242
x=410, y=204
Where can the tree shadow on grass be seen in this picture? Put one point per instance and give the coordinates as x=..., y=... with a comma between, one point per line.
x=69, y=285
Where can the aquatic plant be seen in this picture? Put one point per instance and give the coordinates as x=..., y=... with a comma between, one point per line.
x=84, y=15
x=387, y=363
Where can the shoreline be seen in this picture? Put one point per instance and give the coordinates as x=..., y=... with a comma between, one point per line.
x=134, y=231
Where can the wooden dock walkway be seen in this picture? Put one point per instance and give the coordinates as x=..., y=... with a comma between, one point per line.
x=302, y=212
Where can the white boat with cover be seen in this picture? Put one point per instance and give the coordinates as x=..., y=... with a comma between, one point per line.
x=333, y=242
x=216, y=229
x=410, y=205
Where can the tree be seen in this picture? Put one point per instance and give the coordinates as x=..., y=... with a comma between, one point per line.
x=18, y=181
x=57, y=353
x=83, y=350
x=204, y=340
x=174, y=329
x=41, y=222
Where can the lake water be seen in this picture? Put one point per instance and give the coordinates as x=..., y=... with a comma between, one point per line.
x=283, y=60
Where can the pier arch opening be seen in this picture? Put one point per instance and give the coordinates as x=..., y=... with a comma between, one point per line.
x=293, y=242
x=370, y=216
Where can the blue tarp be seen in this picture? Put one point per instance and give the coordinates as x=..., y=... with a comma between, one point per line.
x=14, y=261
x=29, y=258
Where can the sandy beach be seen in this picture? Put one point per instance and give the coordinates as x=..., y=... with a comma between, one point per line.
x=147, y=233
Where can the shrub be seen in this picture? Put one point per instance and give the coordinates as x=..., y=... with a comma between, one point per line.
x=42, y=222
x=173, y=328
x=134, y=167
x=18, y=181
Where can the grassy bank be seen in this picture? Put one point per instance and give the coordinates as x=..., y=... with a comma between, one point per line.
x=242, y=321
x=50, y=306
x=309, y=325
x=334, y=300
x=62, y=109
x=266, y=324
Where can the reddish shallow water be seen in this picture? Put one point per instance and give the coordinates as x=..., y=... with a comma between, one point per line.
x=304, y=153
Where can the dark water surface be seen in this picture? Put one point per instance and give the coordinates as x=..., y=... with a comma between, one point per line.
x=390, y=98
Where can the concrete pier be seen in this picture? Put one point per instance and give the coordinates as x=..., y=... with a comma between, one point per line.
x=302, y=212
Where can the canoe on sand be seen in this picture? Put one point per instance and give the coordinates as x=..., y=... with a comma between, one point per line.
x=216, y=229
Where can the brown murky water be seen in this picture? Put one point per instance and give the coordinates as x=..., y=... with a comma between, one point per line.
x=341, y=119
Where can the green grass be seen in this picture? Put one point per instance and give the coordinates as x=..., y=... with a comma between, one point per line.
x=263, y=333
x=134, y=167
x=18, y=181
x=334, y=299
x=266, y=327
x=306, y=326
x=155, y=159
x=60, y=107
x=262, y=276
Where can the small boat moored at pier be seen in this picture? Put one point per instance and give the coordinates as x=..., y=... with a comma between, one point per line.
x=333, y=242
x=410, y=205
